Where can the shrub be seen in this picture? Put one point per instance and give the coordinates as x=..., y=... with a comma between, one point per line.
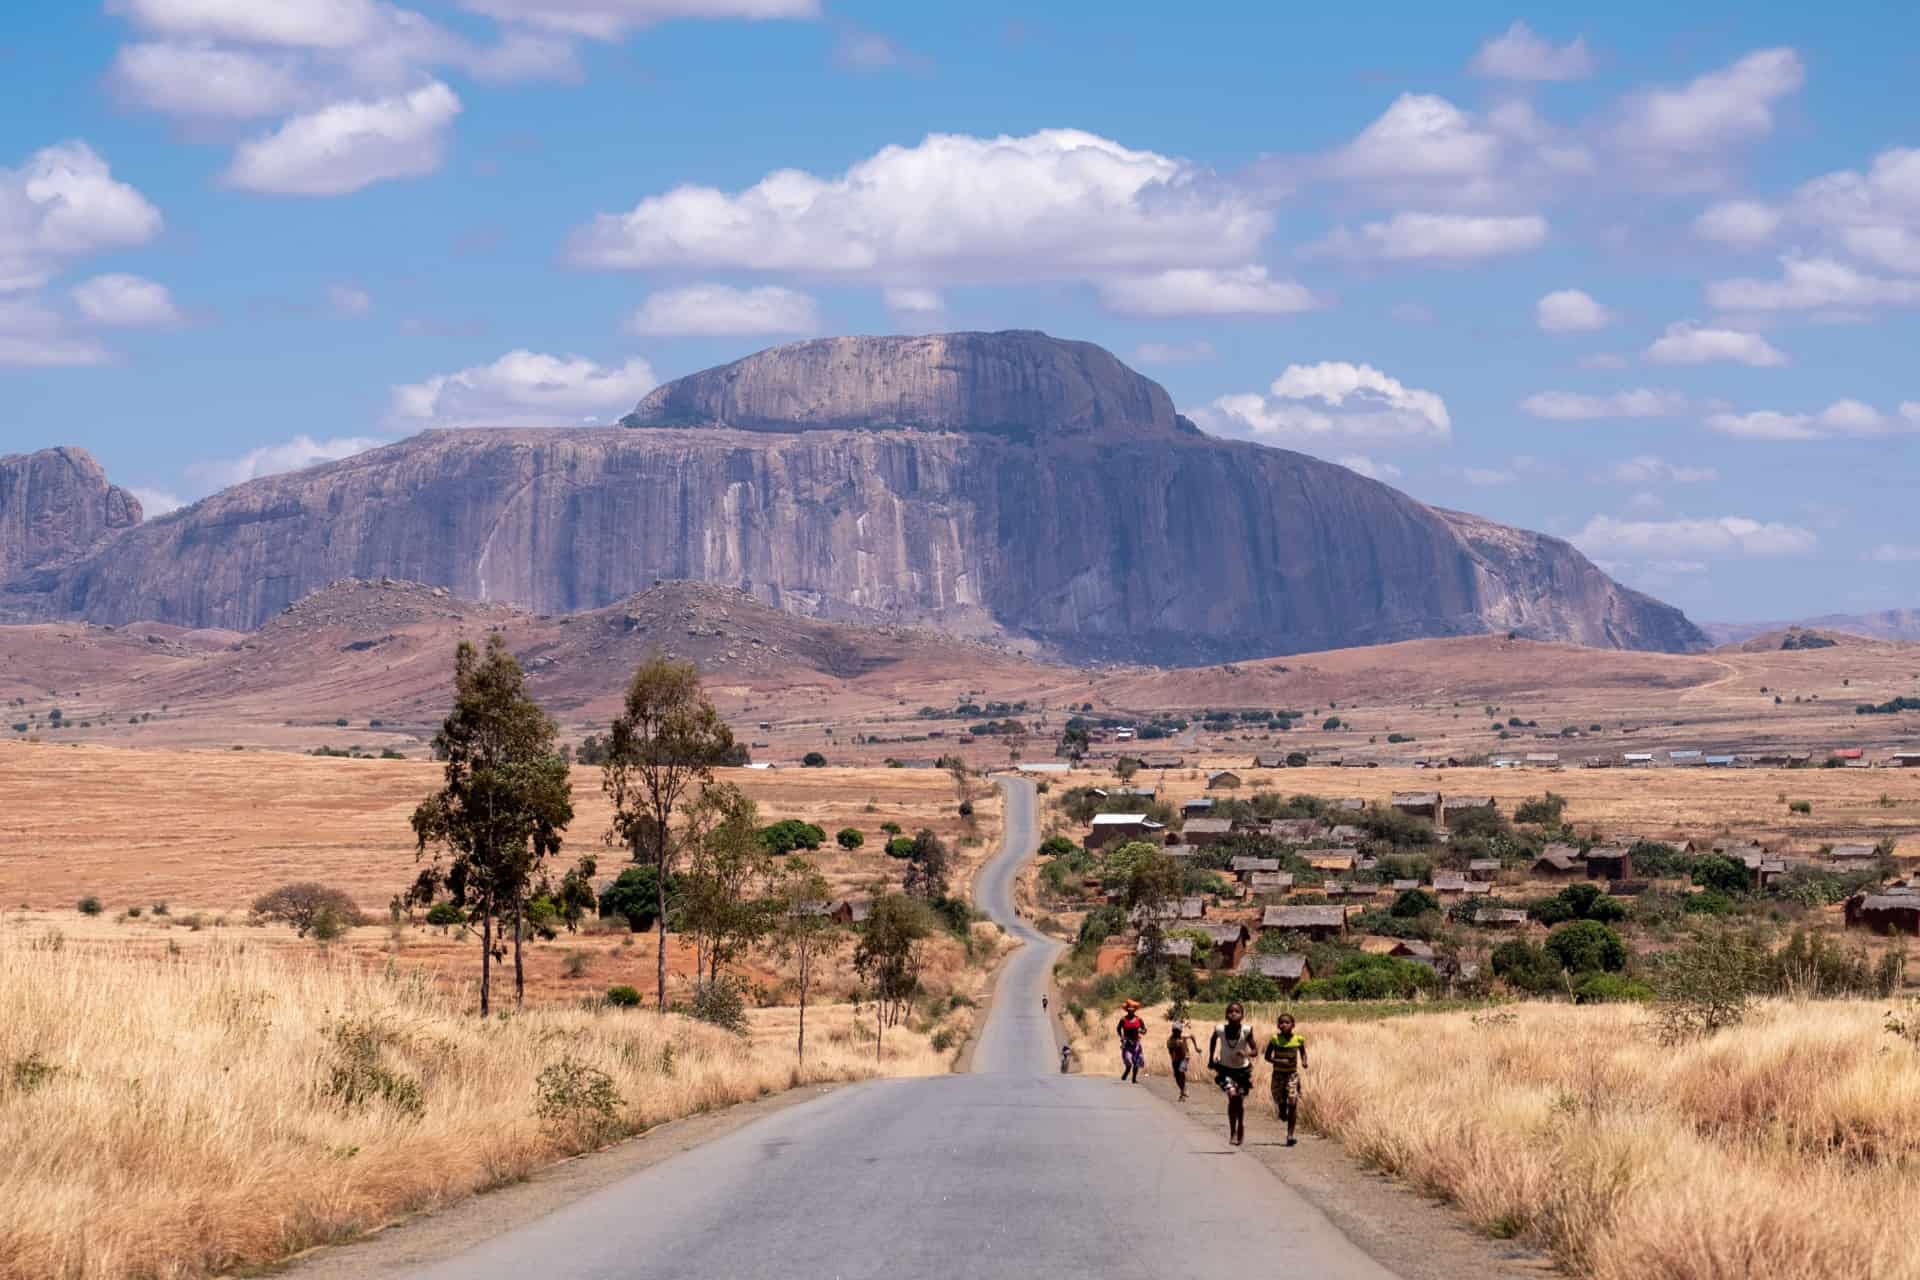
x=302, y=903
x=1247, y=988
x=721, y=1001
x=444, y=915
x=1578, y=902
x=891, y=828
x=1525, y=967
x=1369, y=977
x=1587, y=946
x=89, y=906
x=813, y=760
x=623, y=997
x=788, y=834
x=576, y=1097
x=575, y=964
x=1545, y=811
x=1703, y=986
x=1707, y=902
x=849, y=838
x=1727, y=875
x=1800, y=806
x=1607, y=988
x=159, y=908
x=328, y=924
x=1414, y=902
x=341, y=722
x=133, y=913
x=634, y=897
x=1056, y=847
x=1330, y=723
x=900, y=847
x=358, y=1077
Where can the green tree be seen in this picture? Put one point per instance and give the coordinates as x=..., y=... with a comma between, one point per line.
x=849, y=838
x=1414, y=902
x=803, y=933
x=635, y=897
x=1587, y=946
x=927, y=867
x=1728, y=875
x=726, y=858
x=505, y=801
x=888, y=955
x=813, y=760
x=667, y=738
x=788, y=834
x=1153, y=881
x=301, y=904
x=1525, y=966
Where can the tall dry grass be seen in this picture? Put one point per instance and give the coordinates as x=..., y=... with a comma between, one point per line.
x=1788, y=1147
x=166, y=1116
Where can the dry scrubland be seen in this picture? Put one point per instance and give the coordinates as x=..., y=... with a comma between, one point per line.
x=212, y=830
x=1786, y=1147
x=169, y=1116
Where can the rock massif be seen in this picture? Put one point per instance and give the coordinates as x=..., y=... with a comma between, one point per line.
x=56, y=506
x=1006, y=484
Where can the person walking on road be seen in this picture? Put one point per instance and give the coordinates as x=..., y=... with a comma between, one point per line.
x=1287, y=1053
x=1230, y=1054
x=1043, y=1002
x=1180, y=1048
x=1133, y=1039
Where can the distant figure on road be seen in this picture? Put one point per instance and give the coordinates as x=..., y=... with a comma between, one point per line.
x=1180, y=1046
x=1133, y=1035
x=1230, y=1053
x=1287, y=1051
x=1043, y=1004
x=1066, y=1058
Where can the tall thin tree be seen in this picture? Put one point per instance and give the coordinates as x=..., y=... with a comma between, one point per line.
x=505, y=802
x=667, y=738
x=805, y=931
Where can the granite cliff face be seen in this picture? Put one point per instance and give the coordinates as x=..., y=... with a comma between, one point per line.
x=56, y=505
x=989, y=483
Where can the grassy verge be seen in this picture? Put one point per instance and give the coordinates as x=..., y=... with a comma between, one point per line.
x=161, y=1116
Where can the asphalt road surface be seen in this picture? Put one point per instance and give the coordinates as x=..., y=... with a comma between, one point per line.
x=1011, y=1170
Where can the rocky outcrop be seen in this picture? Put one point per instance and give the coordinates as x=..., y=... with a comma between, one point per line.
x=1020, y=384
x=55, y=506
x=1000, y=484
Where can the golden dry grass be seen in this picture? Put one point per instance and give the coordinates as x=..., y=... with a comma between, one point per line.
x=171, y=1116
x=214, y=829
x=1788, y=1147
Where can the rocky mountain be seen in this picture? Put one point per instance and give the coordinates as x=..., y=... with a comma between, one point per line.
x=56, y=506
x=1889, y=624
x=1004, y=484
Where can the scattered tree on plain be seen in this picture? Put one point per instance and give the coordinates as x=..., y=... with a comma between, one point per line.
x=726, y=858
x=304, y=903
x=666, y=739
x=887, y=958
x=505, y=802
x=803, y=932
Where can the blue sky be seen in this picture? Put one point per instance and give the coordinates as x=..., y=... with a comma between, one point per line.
x=1645, y=280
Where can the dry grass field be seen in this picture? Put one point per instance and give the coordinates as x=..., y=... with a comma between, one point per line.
x=1662, y=804
x=211, y=830
x=182, y=1114
x=1784, y=1148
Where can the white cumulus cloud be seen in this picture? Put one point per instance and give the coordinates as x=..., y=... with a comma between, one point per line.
x=1685, y=343
x=1719, y=537
x=1206, y=291
x=33, y=336
x=156, y=502
x=524, y=388
x=1576, y=406
x=1812, y=284
x=1371, y=468
x=1649, y=468
x=1570, y=311
x=1733, y=104
x=1332, y=401
x=718, y=310
x=272, y=459
x=197, y=79
x=349, y=145
x=126, y=301
x=1060, y=204
x=305, y=24
x=64, y=204
x=612, y=19
x=1739, y=224
x=1842, y=419
x=1435, y=237
x=909, y=301
x=1519, y=53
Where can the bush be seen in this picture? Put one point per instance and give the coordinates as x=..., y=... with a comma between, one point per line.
x=849, y=838
x=1587, y=946
x=1800, y=806
x=304, y=903
x=89, y=906
x=577, y=1098
x=1545, y=811
x=1369, y=977
x=1056, y=847
x=623, y=997
x=1707, y=902
x=788, y=834
x=1525, y=967
x=1661, y=861
x=900, y=847
x=1610, y=988
x=1704, y=986
x=1414, y=902
x=1727, y=875
x=813, y=760
x=1247, y=988
x=634, y=897
x=721, y=1001
x=1578, y=902
x=444, y=915
x=1330, y=723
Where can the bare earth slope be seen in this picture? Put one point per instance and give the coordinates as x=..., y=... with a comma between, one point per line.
x=1007, y=484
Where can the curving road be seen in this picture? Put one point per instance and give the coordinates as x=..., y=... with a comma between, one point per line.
x=1011, y=1170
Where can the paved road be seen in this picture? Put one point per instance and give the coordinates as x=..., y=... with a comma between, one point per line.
x=1012, y=1170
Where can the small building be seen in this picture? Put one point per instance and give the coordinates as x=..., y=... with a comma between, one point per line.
x=1269, y=760
x=1229, y=944
x=1477, y=889
x=1413, y=949
x=1347, y=834
x=1543, y=759
x=1117, y=828
x=1884, y=912
x=1717, y=761
x=1289, y=971
x=1853, y=853
x=1163, y=762
x=852, y=911
x=1685, y=758
x=1181, y=852
x=1330, y=859
x=1172, y=948
x=1501, y=918
x=1405, y=886
x=1904, y=760
x=1350, y=804
x=1483, y=869
x=1638, y=759
x=1270, y=882
x=1449, y=883
x=1224, y=780
x=1137, y=793
x=1457, y=805
x=1318, y=923
x=1196, y=807
x=1609, y=862
x=1293, y=830
x=1418, y=804
x=1205, y=831
x=1559, y=862
x=1179, y=909
x=1362, y=889
x=1246, y=865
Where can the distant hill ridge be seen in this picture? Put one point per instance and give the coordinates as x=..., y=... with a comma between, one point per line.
x=1006, y=485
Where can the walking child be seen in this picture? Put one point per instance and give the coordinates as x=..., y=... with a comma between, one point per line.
x=1287, y=1053
x=1230, y=1054
x=1132, y=1030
